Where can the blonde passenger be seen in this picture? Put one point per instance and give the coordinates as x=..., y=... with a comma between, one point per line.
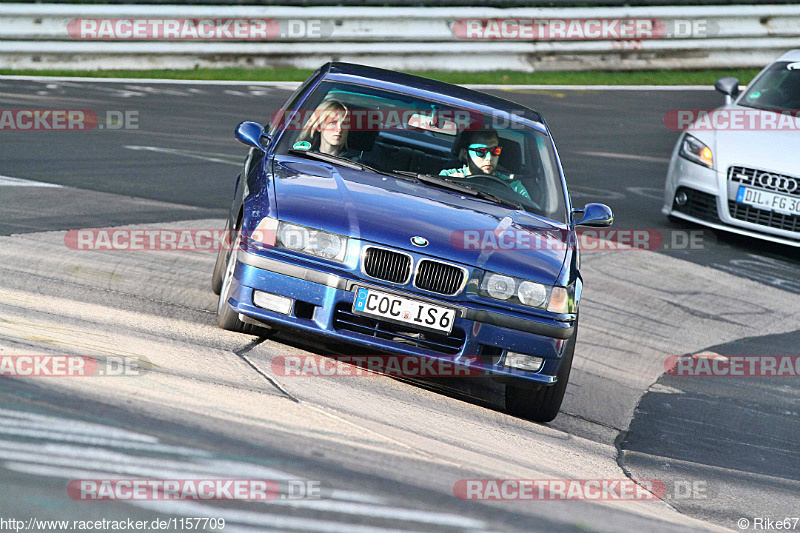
x=326, y=130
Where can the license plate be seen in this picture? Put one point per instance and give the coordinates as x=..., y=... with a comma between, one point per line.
x=400, y=309
x=780, y=203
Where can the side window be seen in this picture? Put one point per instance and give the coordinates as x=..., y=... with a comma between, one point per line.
x=545, y=165
x=518, y=138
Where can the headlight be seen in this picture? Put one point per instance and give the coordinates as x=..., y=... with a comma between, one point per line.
x=696, y=151
x=301, y=239
x=324, y=244
x=293, y=237
x=529, y=293
x=498, y=286
x=532, y=294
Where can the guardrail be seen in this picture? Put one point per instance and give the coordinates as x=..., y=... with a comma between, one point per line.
x=61, y=36
x=435, y=3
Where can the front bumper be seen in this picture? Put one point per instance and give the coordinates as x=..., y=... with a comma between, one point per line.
x=712, y=202
x=322, y=304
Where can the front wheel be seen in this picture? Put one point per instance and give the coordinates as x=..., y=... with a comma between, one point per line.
x=219, y=266
x=543, y=403
x=227, y=318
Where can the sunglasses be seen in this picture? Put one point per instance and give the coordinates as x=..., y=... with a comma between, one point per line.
x=481, y=150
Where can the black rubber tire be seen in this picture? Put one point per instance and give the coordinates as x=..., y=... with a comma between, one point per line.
x=542, y=403
x=227, y=318
x=219, y=266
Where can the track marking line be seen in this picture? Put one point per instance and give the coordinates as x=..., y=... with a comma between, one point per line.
x=92, y=440
x=633, y=157
x=293, y=522
x=10, y=417
x=8, y=181
x=213, y=157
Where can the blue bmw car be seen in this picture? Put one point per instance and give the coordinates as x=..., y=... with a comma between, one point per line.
x=415, y=217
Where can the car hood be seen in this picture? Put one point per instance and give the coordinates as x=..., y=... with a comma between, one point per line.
x=390, y=211
x=773, y=149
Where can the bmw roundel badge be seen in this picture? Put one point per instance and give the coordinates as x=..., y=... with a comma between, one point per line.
x=419, y=241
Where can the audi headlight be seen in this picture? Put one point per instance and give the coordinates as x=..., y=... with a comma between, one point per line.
x=696, y=151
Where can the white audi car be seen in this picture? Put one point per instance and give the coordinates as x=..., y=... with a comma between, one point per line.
x=737, y=168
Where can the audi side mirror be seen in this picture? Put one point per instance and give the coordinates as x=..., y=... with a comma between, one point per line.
x=729, y=87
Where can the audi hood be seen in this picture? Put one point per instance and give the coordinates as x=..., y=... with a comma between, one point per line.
x=752, y=141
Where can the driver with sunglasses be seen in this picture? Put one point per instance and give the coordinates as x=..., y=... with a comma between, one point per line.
x=480, y=154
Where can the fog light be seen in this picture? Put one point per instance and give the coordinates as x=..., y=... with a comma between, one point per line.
x=681, y=198
x=523, y=361
x=273, y=302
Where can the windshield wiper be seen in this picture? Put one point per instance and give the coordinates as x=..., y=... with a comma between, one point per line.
x=458, y=187
x=328, y=158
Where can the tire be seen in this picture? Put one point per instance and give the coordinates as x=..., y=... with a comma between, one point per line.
x=542, y=403
x=219, y=266
x=227, y=318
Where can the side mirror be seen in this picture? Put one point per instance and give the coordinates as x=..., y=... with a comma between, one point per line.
x=729, y=87
x=252, y=134
x=595, y=216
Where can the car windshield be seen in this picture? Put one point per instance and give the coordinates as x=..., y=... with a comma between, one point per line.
x=497, y=155
x=778, y=89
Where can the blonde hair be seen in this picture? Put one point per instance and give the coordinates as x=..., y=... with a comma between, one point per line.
x=311, y=131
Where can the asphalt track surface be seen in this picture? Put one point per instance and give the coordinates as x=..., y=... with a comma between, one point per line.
x=388, y=451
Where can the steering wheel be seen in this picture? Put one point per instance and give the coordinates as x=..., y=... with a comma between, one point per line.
x=489, y=178
x=494, y=179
